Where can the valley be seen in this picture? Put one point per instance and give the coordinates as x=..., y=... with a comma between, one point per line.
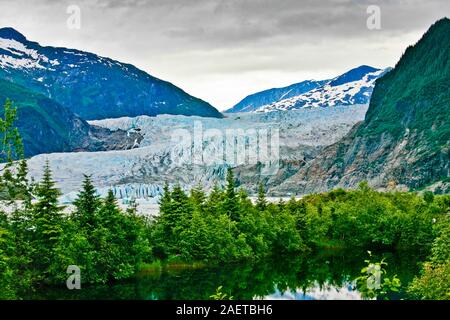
x=140, y=173
x=126, y=177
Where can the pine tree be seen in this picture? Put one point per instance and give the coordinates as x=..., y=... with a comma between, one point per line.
x=245, y=204
x=230, y=203
x=261, y=202
x=47, y=217
x=182, y=208
x=165, y=202
x=109, y=211
x=22, y=183
x=198, y=198
x=214, y=201
x=175, y=212
x=87, y=205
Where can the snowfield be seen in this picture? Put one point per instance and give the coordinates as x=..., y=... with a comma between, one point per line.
x=193, y=150
x=329, y=95
x=23, y=57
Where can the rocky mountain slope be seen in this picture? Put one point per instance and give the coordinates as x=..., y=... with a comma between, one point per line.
x=91, y=86
x=405, y=137
x=350, y=88
x=46, y=126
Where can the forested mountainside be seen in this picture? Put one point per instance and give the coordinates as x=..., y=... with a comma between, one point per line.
x=46, y=126
x=405, y=137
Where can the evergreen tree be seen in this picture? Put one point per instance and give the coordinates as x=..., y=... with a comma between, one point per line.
x=198, y=198
x=245, y=204
x=15, y=184
x=87, y=205
x=109, y=211
x=214, y=201
x=6, y=272
x=48, y=219
x=23, y=191
x=261, y=202
x=181, y=211
x=165, y=202
x=230, y=203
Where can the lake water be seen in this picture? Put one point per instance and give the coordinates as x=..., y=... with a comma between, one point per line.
x=320, y=275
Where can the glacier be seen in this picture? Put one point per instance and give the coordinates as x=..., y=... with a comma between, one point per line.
x=166, y=156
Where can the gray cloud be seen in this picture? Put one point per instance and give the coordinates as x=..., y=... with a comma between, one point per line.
x=221, y=50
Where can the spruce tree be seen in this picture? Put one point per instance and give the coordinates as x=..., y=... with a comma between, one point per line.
x=87, y=205
x=21, y=182
x=47, y=217
x=109, y=211
x=230, y=203
x=165, y=202
x=175, y=213
x=214, y=201
x=261, y=202
x=198, y=198
x=245, y=204
x=181, y=211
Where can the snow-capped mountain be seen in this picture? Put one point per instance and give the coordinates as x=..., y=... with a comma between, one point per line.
x=351, y=88
x=91, y=86
x=259, y=99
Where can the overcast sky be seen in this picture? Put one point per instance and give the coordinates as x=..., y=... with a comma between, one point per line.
x=223, y=50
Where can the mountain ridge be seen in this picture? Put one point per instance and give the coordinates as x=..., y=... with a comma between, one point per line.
x=350, y=88
x=40, y=119
x=249, y=104
x=92, y=86
x=405, y=137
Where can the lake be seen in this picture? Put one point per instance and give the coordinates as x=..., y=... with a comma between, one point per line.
x=322, y=275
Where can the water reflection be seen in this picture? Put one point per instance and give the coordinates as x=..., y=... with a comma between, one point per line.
x=325, y=292
x=320, y=275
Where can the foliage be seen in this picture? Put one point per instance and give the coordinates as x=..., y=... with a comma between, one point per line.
x=11, y=146
x=219, y=295
x=47, y=221
x=224, y=226
x=38, y=242
x=106, y=243
x=369, y=219
x=434, y=281
x=374, y=283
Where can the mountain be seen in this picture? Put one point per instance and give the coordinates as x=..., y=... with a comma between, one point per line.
x=405, y=137
x=267, y=97
x=46, y=126
x=351, y=88
x=91, y=86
